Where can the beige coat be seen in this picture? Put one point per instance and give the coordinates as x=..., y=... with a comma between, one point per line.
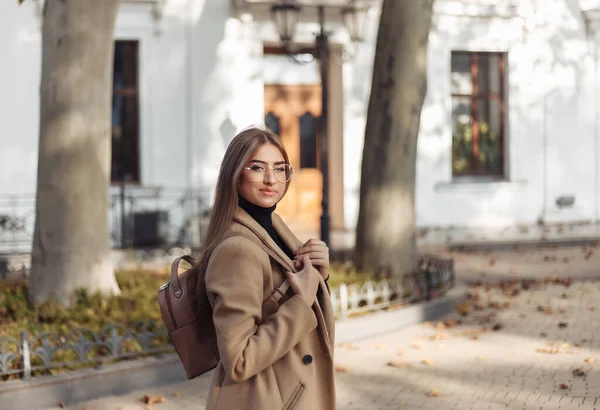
x=273, y=360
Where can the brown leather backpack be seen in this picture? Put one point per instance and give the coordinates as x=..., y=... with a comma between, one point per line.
x=189, y=320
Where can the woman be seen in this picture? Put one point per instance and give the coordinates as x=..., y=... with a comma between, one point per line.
x=280, y=357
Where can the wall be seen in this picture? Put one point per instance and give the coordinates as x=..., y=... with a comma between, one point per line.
x=19, y=101
x=551, y=145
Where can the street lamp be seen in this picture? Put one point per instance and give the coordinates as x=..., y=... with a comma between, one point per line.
x=286, y=14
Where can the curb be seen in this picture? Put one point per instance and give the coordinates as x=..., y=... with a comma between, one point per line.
x=48, y=391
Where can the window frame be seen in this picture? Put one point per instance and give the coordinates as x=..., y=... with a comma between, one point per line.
x=474, y=170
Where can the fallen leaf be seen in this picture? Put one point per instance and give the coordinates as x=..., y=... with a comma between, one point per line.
x=564, y=386
x=497, y=327
x=495, y=305
x=341, y=369
x=434, y=393
x=449, y=323
x=149, y=399
x=463, y=308
x=578, y=373
x=562, y=325
x=176, y=394
x=398, y=364
x=552, y=350
x=438, y=336
x=427, y=362
x=349, y=346
x=62, y=405
x=590, y=360
x=543, y=334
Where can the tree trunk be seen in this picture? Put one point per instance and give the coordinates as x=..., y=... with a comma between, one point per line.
x=70, y=243
x=385, y=235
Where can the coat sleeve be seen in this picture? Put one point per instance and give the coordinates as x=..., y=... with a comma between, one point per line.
x=234, y=282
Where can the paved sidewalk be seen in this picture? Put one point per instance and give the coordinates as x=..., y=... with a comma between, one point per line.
x=577, y=262
x=519, y=346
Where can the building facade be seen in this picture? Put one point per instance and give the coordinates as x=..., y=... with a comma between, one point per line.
x=508, y=147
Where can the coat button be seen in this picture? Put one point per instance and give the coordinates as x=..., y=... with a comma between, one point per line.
x=307, y=359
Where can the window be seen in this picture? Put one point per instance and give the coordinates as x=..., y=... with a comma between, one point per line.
x=125, y=163
x=272, y=122
x=308, y=140
x=478, y=109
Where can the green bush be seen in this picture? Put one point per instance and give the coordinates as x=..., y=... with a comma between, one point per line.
x=137, y=301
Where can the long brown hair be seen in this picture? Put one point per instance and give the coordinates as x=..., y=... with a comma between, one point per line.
x=238, y=153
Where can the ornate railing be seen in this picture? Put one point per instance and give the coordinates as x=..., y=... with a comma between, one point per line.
x=142, y=217
x=434, y=278
x=161, y=217
x=40, y=354
x=17, y=217
x=158, y=220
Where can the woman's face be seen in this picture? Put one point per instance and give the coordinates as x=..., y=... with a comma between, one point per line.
x=261, y=180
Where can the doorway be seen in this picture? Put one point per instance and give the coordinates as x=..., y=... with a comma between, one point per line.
x=293, y=111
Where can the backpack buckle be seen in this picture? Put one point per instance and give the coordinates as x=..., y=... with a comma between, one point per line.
x=164, y=286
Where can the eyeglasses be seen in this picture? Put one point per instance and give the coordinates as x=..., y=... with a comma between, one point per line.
x=258, y=172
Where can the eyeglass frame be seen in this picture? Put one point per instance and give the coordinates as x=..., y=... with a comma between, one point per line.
x=263, y=164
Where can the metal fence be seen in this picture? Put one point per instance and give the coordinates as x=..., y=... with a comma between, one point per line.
x=144, y=218
x=138, y=217
x=40, y=354
x=433, y=279
x=17, y=217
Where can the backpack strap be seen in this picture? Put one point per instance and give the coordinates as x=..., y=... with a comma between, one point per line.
x=280, y=292
x=175, y=273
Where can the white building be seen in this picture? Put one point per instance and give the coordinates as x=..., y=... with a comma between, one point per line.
x=189, y=74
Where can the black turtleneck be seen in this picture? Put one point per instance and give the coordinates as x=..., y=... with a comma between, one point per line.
x=263, y=217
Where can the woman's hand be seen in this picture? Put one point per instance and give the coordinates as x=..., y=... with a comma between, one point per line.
x=305, y=282
x=318, y=253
